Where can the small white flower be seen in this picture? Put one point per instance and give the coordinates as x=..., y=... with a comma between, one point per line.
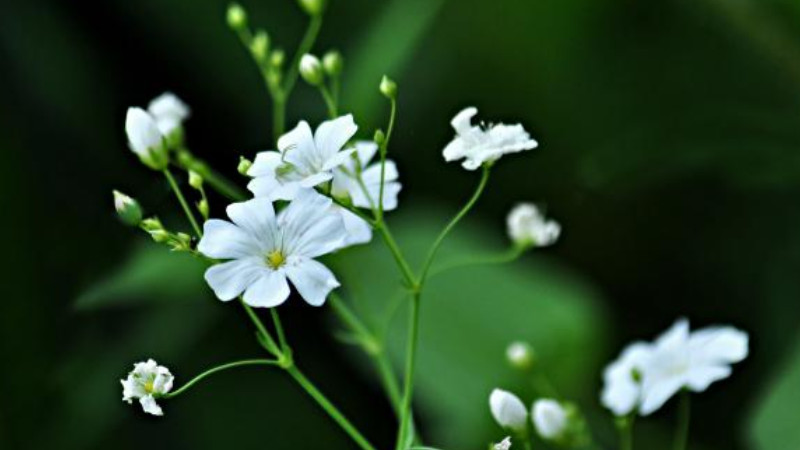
x=303, y=160
x=147, y=382
x=549, y=418
x=528, y=227
x=679, y=359
x=168, y=111
x=520, y=355
x=505, y=444
x=622, y=384
x=144, y=138
x=268, y=251
x=364, y=193
x=311, y=69
x=508, y=410
x=481, y=144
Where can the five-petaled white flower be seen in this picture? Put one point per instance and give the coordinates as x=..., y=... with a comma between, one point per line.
x=527, y=226
x=479, y=144
x=360, y=182
x=145, y=139
x=622, y=379
x=549, y=418
x=147, y=382
x=303, y=160
x=508, y=410
x=168, y=111
x=265, y=250
x=505, y=444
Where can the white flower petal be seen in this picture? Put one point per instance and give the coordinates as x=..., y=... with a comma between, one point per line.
x=310, y=226
x=297, y=147
x=150, y=406
x=230, y=279
x=168, y=105
x=658, y=392
x=508, y=410
x=339, y=159
x=365, y=150
x=257, y=218
x=224, y=240
x=714, y=345
x=265, y=164
x=549, y=418
x=271, y=188
x=462, y=122
x=143, y=133
x=358, y=230
x=314, y=180
x=269, y=290
x=699, y=378
x=331, y=135
x=312, y=280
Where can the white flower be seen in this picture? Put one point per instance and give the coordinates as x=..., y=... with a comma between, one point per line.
x=364, y=193
x=679, y=359
x=520, y=355
x=144, y=138
x=311, y=69
x=479, y=144
x=508, y=410
x=622, y=388
x=303, y=160
x=549, y=418
x=168, y=111
x=147, y=382
x=505, y=444
x=527, y=226
x=265, y=250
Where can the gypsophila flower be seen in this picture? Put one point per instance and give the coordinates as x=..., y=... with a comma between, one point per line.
x=549, y=418
x=479, y=144
x=360, y=182
x=520, y=355
x=147, y=382
x=266, y=252
x=505, y=444
x=528, y=227
x=622, y=383
x=508, y=410
x=145, y=139
x=303, y=160
x=169, y=112
x=311, y=69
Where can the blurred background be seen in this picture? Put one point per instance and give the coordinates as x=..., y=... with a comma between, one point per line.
x=669, y=136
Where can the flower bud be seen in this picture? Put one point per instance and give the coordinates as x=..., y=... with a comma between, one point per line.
x=244, y=165
x=195, y=180
x=311, y=70
x=508, y=410
x=388, y=88
x=202, y=206
x=277, y=58
x=160, y=236
x=151, y=224
x=332, y=63
x=549, y=418
x=505, y=444
x=237, y=16
x=128, y=209
x=312, y=7
x=379, y=137
x=520, y=355
x=145, y=138
x=259, y=46
x=527, y=227
x=181, y=242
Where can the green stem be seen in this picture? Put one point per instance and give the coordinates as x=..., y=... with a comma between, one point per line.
x=276, y=320
x=262, y=331
x=186, y=209
x=626, y=432
x=354, y=210
x=305, y=46
x=213, y=370
x=408, y=274
x=334, y=413
x=223, y=185
x=384, y=152
x=330, y=101
x=682, y=429
x=453, y=222
x=408, y=380
x=508, y=256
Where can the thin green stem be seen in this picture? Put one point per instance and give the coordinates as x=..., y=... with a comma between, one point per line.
x=334, y=413
x=330, y=101
x=384, y=152
x=276, y=321
x=405, y=268
x=186, y=209
x=353, y=210
x=268, y=341
x=682, y=428
x=305, y=46
x=408, y=378
x=187, y=161
x=507, y=256
x=453, y=222
x=213, y=370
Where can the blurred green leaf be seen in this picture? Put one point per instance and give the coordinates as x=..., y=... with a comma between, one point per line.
x=469, y=316
x=774, y=423
x=151, y=273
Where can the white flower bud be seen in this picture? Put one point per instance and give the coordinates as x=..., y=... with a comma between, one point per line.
x=388, y=88
x=195, y=180
x=549, y=418
x=312, y=7
x=147, y=382
x=520, y=355
x=528, y=227
x=169, y=112
x=505, y=444
x=237, y=16
x=145, y=139
x=332, y=62
x=128, y=209
x=311, y=69
x=508, y=410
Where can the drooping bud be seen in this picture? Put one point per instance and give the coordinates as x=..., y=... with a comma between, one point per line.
x=333, y=63
x=244, y=165
x=312, y=7
x=259, y=46
x=237, y=16
x=508, y=410
x=520, y=355
x=388, y=88
x=195, y=180
x=128, y=209
x=311, y=69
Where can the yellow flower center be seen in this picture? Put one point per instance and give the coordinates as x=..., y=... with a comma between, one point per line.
x=148, y=387
x=275, y=259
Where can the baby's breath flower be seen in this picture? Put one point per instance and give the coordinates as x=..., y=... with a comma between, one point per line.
x=505, y=444
x=265, y=252
x=169, y=113
x=388, y=87
x=311, y=70
x=527, y=226
x=549, y=418
x=147, y=382
x=127, y=208
x=145, y=139
x=508, y=410
x=484, y=144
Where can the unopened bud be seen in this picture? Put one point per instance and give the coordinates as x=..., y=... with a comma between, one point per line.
x=151, y=224
x=237, y=17
x=244, y=165
x=311, y=70
x=259, y=46
x=332, y=62
x=379, y=137
x=128, y=209
x=520, y=355
x=388, y=88
x=195, y=180
x=159, y=236
x=202, y=206
x=312, y=7
x=277, y=58
x=181, y=241
x=508, y=410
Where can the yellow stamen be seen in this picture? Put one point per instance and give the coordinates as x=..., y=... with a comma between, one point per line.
x=148, y=387
x=275, y=259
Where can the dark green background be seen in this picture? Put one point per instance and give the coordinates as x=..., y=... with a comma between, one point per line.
x=669, y=136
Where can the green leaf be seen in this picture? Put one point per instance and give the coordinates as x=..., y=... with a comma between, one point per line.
x=151, y=273
x=469, y=316
x=774, y=423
